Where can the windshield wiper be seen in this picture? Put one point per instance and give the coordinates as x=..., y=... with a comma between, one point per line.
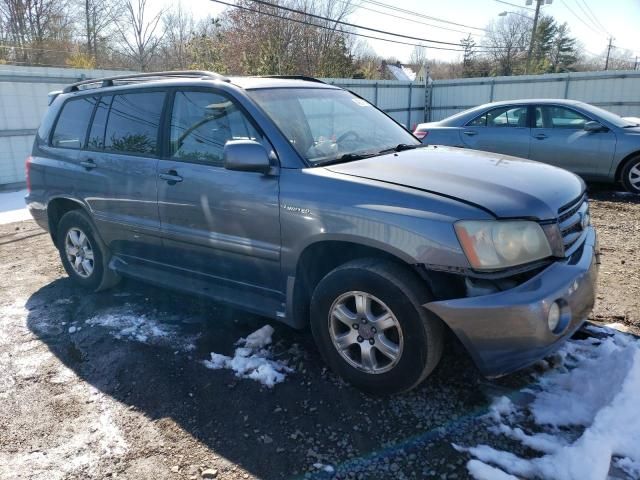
x=347, y=157
x=632, y=126
x=401, y=147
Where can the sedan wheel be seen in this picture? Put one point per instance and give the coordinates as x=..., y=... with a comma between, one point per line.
x=631, y=175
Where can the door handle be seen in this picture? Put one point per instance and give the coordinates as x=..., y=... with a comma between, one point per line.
x=540, y=136
x=89, y=164
x=170, y=176
x=470, y=133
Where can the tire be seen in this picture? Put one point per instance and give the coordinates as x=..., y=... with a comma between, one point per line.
x=415, y=335
x=77, y=234
x=631, y=175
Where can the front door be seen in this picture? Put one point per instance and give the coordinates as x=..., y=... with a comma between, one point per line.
x=559, y=138
x=500, y=130
x=216, y=223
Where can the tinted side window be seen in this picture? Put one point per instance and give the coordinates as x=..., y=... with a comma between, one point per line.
x=96, y=134
x=133, y=123
x=559, y=117
x=502, y=117
x=71, y=127
x=202, y=123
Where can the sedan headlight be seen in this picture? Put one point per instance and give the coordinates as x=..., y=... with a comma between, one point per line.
x=492, y=244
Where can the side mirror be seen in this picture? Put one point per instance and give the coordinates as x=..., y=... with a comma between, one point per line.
x=246, y=156
x=593, y=126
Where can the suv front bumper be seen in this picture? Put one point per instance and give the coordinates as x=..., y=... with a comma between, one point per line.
x=507, y=331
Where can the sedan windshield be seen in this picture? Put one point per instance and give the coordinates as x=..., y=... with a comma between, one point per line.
x=327, y=125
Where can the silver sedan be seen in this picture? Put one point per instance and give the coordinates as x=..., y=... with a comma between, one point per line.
x=594, y=143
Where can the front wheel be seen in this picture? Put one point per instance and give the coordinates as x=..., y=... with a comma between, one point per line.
x=631, y=175
x=370, y=327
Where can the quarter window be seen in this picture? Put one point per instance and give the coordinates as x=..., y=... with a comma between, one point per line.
x=133, y=123
x=502, y=117
x=202, y=123
x=71, y=127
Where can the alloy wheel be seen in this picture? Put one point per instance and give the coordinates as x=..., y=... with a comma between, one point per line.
x=365, y=332
x=79, y=252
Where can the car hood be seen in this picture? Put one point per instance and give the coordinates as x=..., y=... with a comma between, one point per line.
x=506, y=187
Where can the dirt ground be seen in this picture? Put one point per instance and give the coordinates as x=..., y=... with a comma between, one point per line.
x=130, y=397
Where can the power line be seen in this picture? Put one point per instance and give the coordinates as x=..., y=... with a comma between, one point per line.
x=588, y=17
x=594, y=17
x=580, y=18
x=422, y=15
x=413, y=20
x=353, y=25
x=240, y=7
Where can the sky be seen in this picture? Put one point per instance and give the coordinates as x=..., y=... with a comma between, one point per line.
x=619, y=18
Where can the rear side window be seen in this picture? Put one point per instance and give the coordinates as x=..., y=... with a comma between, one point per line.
x=559, y=117
x=132, y=126
x=71, y=128
x=96, y=134
x=502, y=117
x=202, y=123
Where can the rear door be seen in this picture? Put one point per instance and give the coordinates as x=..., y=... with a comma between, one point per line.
x=219, y=223
x=559, y=138
x=119, y=166
x=500, y=130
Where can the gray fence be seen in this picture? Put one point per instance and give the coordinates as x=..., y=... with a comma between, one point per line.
x=618, y=92
x=23, y=102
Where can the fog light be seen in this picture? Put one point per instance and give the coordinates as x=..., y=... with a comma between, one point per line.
x=553, y=319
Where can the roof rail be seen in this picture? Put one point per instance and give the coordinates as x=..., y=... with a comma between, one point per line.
x=294, y=77
x=108, y=81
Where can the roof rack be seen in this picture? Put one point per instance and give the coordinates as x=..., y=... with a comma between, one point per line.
x=109, y=81
x=294, y=77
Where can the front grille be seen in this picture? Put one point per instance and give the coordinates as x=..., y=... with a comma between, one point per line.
x=571, y=221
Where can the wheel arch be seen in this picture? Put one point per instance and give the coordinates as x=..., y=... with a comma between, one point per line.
x=56, y=208
x=319, y=258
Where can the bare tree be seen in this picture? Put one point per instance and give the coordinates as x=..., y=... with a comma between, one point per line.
x=38, y=29
x=139, y=33
x=179, y=30
x=98, y=18
x=507, y=41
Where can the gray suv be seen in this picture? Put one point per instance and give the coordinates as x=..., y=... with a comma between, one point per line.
x=302, y=202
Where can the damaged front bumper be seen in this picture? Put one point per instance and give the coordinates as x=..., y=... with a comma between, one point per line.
x=509, y=330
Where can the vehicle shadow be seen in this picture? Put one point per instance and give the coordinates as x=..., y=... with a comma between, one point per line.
x=606, y=193
x=312, y=417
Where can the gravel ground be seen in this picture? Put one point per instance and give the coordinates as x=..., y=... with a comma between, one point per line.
x=113, y=384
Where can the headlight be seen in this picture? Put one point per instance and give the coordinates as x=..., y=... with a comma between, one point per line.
x=491, y=245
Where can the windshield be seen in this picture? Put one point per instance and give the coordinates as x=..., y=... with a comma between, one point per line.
x=326, y=125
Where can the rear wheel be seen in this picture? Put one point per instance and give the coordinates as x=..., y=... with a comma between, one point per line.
x=368, y=321
x=83, y=254
x=631, y=175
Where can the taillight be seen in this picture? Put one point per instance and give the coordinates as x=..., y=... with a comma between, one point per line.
x=421, y=133
x=27, y=171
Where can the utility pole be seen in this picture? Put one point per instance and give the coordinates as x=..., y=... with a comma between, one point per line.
x=533, y=35
x=606, y=63
x=635, y=65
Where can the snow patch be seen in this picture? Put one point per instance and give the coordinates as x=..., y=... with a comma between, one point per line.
x=141, y=328
x=592, y=396
x=252, y=359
